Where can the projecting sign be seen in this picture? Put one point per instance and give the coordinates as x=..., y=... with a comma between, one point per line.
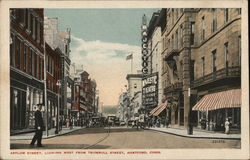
x=150, y=90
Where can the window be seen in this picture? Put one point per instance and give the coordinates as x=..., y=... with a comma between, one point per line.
x=34, y=27
x=21, y=16
x=214, y=60
x=226, y=54
x=135, y=85
x=176, y=39
x=239, y=49
x=66, y=49
x=181, y=36
x=226, y=15
x=37, y=66
x=214, y=22
x=192, y=33
x=29, y=20
x=26, y=17
x=41, y=68
x=38, y=31
x=33, y=63
x=12, y=54
x=25, y=58
x=30, y=61
x=18, y=53
x=239, y=11
x=203, y=66
x=202, y=28
x=31, y=24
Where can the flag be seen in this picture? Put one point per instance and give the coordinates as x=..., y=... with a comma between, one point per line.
x=129, y=57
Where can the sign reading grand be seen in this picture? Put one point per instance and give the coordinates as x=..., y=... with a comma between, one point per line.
x=150, y=90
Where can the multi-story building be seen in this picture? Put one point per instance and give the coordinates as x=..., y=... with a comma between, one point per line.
x=134, y=84
x=60, y=41
x=53, y=70
x=85, y=95
x=201, y=49
x=26, y=66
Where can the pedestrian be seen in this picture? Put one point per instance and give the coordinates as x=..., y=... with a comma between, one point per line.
x=227, y=127
x=39, y=126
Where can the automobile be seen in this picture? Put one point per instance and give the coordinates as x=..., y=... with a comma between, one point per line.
x=130, y=123
x=122, y=123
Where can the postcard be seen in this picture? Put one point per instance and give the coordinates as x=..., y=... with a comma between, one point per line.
x=124, y=80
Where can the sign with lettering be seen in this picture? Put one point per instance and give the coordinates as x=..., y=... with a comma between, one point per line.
x=150, y=90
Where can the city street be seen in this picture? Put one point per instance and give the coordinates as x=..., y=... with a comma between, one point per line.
x=124, y=138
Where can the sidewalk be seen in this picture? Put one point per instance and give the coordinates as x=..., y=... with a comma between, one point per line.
x=196, y=133
x=29, y=136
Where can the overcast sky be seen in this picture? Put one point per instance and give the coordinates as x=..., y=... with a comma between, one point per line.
x=101, y=39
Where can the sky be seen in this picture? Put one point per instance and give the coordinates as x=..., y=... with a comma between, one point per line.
x=101, y=39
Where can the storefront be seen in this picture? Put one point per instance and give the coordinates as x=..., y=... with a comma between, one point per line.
x=214, y=108
x=25, y=94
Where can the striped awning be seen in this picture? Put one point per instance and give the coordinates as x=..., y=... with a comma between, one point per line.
x=159, y=107
x=219, y=100
x=157, y=112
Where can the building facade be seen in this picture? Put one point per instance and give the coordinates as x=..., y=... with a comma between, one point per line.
x=60, y=40
x=53, y=70
x=26, y=66
x=201, y=52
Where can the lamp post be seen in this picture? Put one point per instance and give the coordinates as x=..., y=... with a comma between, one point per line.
x=58, y=83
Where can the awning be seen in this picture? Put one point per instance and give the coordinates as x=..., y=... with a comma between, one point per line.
x=157, y=110
x=219, y=100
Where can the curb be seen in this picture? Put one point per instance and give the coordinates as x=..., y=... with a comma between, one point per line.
x=187, y=136
x=52, y=136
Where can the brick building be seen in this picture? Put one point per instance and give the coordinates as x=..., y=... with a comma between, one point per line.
x=53, y=70
x=26, y=66
x=85, y=96
x=201, y=49
x=60, y=40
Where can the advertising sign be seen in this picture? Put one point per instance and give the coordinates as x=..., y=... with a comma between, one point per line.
x=150, y=90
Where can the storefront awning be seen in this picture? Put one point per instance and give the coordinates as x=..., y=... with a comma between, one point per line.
x=157, y=110
x=160, y=110
x=219, y=100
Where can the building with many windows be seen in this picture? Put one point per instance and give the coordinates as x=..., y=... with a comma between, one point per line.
x=26, y=66
x=201, y=67
x=60, y=40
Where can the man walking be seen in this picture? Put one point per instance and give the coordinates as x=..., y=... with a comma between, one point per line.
x=39, y=126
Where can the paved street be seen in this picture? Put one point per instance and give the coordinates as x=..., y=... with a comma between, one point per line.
x=124, y=138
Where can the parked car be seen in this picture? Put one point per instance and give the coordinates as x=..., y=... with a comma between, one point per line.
x=122, y=123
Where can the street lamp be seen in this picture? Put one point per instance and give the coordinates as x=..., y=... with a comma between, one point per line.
x=58, y=83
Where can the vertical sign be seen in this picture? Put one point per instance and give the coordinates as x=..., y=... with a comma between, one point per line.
x=144, y=46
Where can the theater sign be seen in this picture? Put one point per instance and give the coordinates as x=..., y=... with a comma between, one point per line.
x=150, y=91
